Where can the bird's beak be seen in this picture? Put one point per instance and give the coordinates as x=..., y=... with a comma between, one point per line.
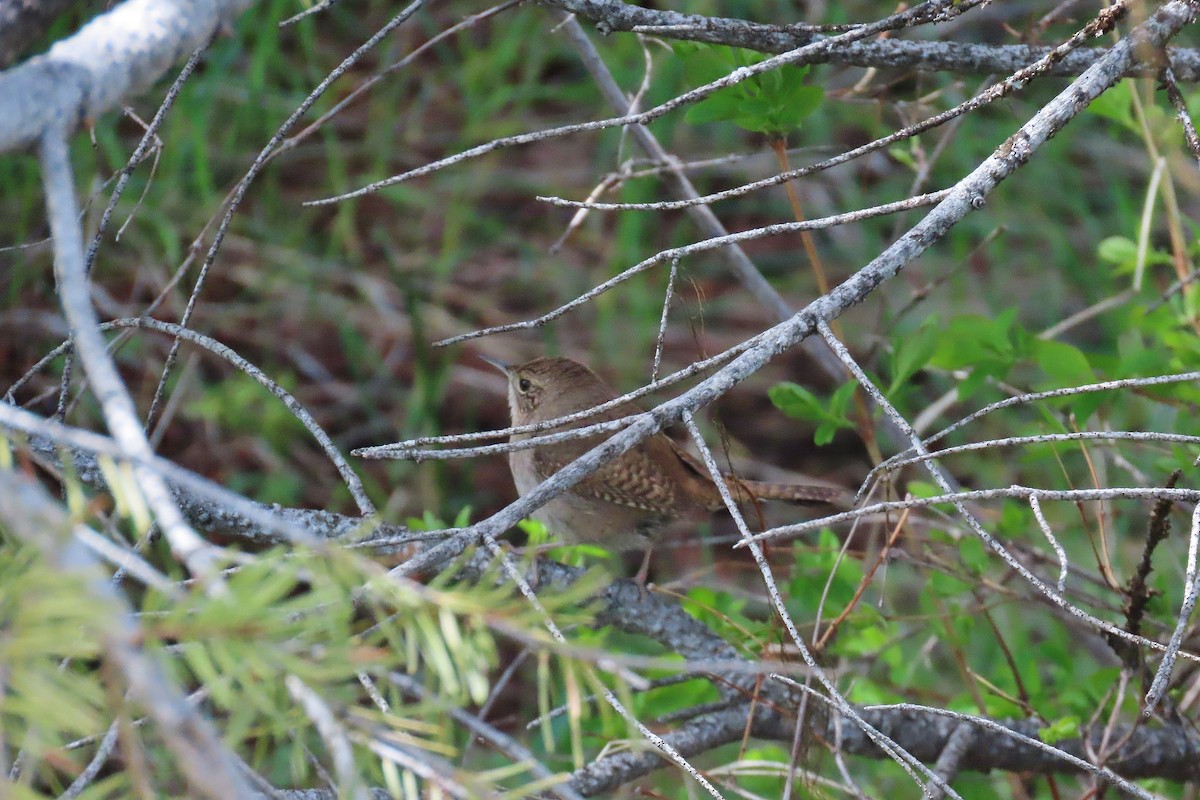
x=498, y=364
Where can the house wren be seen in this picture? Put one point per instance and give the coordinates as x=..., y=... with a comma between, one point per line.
x=625, y=503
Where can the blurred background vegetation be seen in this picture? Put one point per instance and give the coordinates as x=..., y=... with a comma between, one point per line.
x=341, y=303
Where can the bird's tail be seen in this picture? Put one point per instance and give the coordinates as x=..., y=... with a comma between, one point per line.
x=744, y=491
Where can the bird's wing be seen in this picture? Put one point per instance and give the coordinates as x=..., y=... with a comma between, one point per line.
x=633, y=480
x=694, y=465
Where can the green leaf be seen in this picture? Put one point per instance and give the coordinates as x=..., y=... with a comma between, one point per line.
x=865, y=641
x=724, y=105
x=755, y=114
x=796, y=401
x=974, y=554
x=971, y=384
x=843, y=398
x=1063, y=364
x=904, y=156
x=913, y=352
x=799, y=403
x=772, y=102
x=1116, y=104
x=942, y=585
x=1084, y=405
x=1117, y=250
x=923, y=489
x=579, y=555
x=535, y=530
x=1063, y=728
x=704, y=63
x=802, y=100
x=825, y=433
x=988, y=346
x=970, y=339
x=1122, y=252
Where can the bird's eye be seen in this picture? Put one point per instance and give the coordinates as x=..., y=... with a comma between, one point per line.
x=524, y=384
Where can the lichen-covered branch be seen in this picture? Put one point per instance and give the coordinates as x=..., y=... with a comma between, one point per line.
x=613, y=16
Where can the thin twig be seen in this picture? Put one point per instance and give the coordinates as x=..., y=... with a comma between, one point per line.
x=243, y=185
x=839, y=702
x=1191, y=588
x=976, y=527
x=704, y=245
x=642, y=118
x=1017, y=81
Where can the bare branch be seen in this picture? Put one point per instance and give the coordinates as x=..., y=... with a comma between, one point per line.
x=1032, y=397
x=1015, y=82
x=702, y=246
x=1191, y=589
x=502, y=742
x=349, y=476
x=612, y=16
x=949, y=761
x=977, y=527
x=118, y=408
x=835, y=698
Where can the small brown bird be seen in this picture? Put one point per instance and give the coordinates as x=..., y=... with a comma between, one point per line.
x=625, y=503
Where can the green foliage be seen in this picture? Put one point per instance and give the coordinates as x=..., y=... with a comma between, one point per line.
x=428, y=521
x=329, y=618
x=912, y=353
x=301, y=614
x=127, y=496
x=1122, y=253
x=923, y=489
x=674, y=697
x=825, y=559
x=1119, y=105
x=241, y=404
x=728, y=616
x=1116, y=105
x=49, y=618
x=829, y=416
x=992, y=347
x=989, y=346
x=772, y=102
x=574, y=554
x=904, y=154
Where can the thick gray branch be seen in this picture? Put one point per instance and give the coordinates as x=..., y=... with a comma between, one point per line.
x=205, y=505
x=22, y=23
x=699, y=736
x=611, y=16
x=1167, y=752
x=110, y=59
x=218, y=518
